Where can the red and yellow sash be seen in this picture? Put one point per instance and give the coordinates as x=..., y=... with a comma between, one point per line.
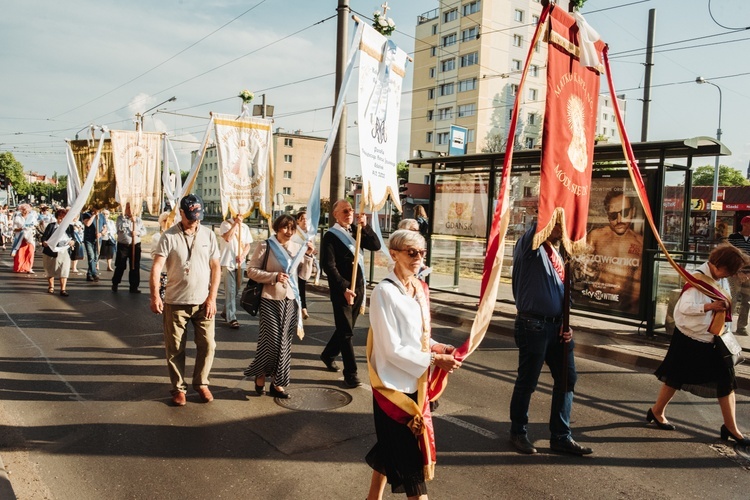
x=401, y=408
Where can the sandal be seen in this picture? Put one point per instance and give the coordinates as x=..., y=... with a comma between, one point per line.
x=64, y=293
x=50, y=290
x=234, y=324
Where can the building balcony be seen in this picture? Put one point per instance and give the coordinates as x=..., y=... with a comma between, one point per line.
x=428, y=16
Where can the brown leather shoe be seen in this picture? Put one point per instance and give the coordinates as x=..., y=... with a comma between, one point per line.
x=205, y=394
x=178, y=399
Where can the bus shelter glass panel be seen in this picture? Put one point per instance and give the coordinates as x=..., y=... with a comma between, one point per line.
x=673, y=226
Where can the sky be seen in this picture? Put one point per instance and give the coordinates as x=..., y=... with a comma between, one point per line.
x=71, y=64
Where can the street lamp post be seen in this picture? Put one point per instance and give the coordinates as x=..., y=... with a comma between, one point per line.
x=139, y=116
x=701, y=80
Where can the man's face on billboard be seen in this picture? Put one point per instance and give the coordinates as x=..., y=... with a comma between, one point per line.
x=619, y=213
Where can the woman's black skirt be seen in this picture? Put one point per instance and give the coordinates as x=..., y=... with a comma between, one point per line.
x=396, y=455
x=107, y=250
x=696, y=367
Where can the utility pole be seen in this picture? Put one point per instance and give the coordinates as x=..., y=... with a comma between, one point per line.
x=649, y=65
x=338, y=156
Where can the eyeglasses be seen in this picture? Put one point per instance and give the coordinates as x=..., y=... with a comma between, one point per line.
x=623, y=213
x=413, y=253
x=347, y=210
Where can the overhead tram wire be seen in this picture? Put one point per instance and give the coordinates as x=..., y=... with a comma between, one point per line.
x=710, y=13
x=675, y=49
x=163, y=62
x=226, y=63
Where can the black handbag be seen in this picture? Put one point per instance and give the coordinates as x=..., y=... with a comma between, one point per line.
x=729, y=349
x=250, y=299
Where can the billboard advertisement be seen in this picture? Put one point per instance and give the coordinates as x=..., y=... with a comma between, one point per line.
x=461, y=205
x=607, y=276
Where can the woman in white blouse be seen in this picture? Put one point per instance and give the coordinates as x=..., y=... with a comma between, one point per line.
x=692, y=362
x=400, y=352
x=57, y=260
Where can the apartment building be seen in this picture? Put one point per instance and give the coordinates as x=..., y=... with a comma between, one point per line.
x=295, y=158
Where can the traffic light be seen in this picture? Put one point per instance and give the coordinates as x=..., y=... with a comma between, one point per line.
x=3, y=181
x=402, y=188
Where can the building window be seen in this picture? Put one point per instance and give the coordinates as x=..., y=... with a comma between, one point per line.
x=529, y=143
x=605, y=116
x=467, y=110
x=286, y=190
x=534, y=70
x=449, y=40
x=448, y=64
x=430, y=113
x=516, y=65
x=446, y=89
x=532, y=119
x=513, y=89
x=510, y=114
x=469, y=59
x=451, y=15
x=466, y=85
x=433, y=51
x=430, y=93
x=604, y=131
x=470, y=135
x=287, y=158
x=428, y=139
x=533, y=94
x=287, y=174
x=443, y=138
x=470, y=34
x=445, y=113
x=534, y=20
x=434, y=29
x=518, y=15
x=517, y=40
x=432, y=72
x=536, y=47
x=288, y=141
x=471, y=8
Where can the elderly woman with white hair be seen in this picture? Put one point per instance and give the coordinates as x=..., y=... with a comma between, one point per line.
x=400, y=354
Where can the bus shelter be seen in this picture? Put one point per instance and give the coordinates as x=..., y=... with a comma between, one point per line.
x=623, y=275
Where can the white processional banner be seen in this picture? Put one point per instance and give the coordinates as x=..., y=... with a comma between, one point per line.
x=244, y=145
x=381, y=71
x=137, y=161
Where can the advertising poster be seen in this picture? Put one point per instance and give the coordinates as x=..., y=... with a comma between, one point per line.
x=607, y=275
x=461, y=205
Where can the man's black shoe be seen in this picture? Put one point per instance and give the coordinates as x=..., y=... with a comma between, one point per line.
x=96, y=277
x=569, y=446
x=352, y=381
x=330, y=364
x=89, y=278
x=522, y=444
x=114, y=288
x=135, y=290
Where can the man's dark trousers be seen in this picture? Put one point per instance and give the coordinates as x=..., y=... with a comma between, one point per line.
x=124, y=254
x=345, y=317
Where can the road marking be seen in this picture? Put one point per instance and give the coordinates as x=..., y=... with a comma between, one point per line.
x=107, y=304
x=76, y=396
x=468, y=426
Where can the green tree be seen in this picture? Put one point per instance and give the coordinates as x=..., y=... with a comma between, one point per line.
x=13, y=170
x=728, y=176
x=402, y=170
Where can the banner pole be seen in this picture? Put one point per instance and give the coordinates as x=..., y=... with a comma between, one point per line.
x=238, y=264
x=356, y=248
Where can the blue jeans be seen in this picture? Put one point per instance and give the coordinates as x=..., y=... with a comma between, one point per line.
x=230, y=293
x=92, y=257
x=538, y=343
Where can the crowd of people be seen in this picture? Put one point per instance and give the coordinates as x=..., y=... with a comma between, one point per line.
x=190, y=262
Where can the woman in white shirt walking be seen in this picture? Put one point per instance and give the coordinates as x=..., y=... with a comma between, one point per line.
x=692, y=362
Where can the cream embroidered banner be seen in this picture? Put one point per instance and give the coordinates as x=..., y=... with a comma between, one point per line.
x=243, y=146
x=381, y=71
x=137, y=162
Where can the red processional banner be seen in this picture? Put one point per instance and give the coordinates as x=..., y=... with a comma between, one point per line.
x=569, y=132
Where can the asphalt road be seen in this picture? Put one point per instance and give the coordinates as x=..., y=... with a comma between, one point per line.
x=85, y=414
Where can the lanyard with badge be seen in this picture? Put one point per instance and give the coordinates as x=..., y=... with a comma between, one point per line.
x=189, y=247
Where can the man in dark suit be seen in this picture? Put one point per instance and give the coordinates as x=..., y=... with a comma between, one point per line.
x=337, y=260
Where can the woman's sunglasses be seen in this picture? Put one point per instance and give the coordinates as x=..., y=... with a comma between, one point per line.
x=413, y=253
